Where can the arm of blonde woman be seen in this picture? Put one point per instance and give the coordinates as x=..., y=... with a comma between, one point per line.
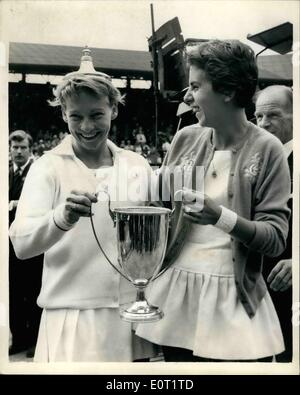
x=39, y=224
x=280, y=278
x=77, y=204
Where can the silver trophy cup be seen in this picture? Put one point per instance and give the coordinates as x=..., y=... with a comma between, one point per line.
x=142, y=234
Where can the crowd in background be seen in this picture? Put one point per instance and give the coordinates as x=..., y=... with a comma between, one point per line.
x=138, y=143
x=133, y=130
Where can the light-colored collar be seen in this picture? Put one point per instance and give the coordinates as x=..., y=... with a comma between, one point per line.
x=66, y=148
x=288, y=148
x=21, y=168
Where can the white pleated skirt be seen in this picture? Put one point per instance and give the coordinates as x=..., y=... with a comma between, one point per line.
x=96, y=335
x=202, y=313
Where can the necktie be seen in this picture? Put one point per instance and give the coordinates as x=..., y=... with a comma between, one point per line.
x=18, y=174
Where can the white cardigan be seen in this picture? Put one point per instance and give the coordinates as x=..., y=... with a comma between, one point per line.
x=75, y=273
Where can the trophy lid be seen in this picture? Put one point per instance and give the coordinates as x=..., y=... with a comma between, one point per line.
x=86, y=66
x=142, y=210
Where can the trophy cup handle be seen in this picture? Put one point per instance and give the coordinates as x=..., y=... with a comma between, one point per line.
x=113, y=217
x=111, y=213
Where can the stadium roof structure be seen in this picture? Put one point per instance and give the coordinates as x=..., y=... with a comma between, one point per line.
x=275, y=68
x=59, y=60
x=31, y=58
x=278, y=38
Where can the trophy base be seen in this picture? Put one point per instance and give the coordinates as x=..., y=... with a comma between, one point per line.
x=141, y=312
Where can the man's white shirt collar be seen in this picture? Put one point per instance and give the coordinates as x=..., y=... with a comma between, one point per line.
x=15, y=167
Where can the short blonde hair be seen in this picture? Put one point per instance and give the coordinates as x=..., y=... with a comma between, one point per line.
x=94, y=85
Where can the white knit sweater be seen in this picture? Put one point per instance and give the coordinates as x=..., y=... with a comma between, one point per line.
x=75, y=273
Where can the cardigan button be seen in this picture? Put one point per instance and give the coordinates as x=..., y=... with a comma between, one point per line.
x=230, y=195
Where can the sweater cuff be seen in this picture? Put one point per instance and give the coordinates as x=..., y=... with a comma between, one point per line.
x=59, y=219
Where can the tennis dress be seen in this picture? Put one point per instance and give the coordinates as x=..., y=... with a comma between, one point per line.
x=198, y=294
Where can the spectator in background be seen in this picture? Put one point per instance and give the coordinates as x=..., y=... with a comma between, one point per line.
x=55, y=141
x=154, y=158
x=129, y=146
x=165, y=146
x=24, y=277
x=114, y=133
x=41, y=147
x=140, y=136
x=48, y=144
x=274, y=112
x=62, y=135
x=145, y=150
x=138, y=149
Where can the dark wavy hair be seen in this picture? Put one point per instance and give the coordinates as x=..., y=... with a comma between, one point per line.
x=230, y=65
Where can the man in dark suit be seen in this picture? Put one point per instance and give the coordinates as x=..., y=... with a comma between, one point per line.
x=274, y=112
x=24, y=276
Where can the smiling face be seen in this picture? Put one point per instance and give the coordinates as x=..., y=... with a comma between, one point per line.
x=204, y=101
x=89, y=118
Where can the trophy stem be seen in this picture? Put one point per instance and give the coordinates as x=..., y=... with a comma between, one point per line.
x=140, y=294
x=141, y=310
